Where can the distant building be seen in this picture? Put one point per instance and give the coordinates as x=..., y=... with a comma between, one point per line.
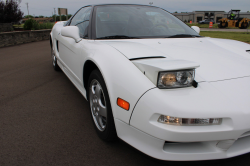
x=197, y=16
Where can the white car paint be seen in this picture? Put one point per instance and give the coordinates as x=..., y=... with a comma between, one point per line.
x=223, y=91
x=94, y=52
x=228, y=99
x=71, y=32
x=218, y=60
x=197, y=29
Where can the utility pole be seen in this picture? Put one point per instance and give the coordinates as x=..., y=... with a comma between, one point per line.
x=55, y=13
x=67, y=14
x=27, y=8
x=59, y=12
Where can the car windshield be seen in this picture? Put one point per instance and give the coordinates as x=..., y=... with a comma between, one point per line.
x=132, y=21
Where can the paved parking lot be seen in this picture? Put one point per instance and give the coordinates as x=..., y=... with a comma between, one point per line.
x=44, y=120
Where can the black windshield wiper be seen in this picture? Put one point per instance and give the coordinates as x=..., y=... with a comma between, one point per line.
x=118, y=37
x=182, y=35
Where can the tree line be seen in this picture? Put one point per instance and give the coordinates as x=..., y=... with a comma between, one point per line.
x=10, y=12
x=55, y=17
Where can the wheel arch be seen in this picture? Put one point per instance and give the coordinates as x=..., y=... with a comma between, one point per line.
x=88, y=67
x=121, y=77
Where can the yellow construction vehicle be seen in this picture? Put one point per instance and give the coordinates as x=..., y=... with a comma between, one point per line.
x=233, y=20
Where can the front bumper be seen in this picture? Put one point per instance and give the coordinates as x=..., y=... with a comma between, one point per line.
x=195, y=142
x=159, y=149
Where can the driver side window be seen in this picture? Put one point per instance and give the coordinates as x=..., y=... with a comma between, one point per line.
x=81, y=20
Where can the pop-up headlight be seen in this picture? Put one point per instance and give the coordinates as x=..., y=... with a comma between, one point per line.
x=175, y=79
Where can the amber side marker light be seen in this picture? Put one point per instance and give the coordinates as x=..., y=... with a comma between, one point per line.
x=123, y=104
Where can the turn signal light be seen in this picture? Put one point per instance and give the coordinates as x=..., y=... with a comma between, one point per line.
x=123, y=104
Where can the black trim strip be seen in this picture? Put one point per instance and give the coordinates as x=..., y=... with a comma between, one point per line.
x=169, y=142
x=247, y=50
x=149, y=57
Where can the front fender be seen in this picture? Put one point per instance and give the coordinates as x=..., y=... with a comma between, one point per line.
x=122, y=78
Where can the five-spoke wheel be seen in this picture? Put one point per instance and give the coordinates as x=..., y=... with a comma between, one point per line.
x=100, y=107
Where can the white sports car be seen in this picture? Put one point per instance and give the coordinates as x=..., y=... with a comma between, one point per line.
x=155, y=83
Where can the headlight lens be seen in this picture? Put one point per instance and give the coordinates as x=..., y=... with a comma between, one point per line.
x=189, y=121
x=176, y=79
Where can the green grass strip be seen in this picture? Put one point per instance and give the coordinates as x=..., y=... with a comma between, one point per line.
x=240, y=36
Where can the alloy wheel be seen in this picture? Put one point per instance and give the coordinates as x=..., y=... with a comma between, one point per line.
x=53, y=57
x=98, y=105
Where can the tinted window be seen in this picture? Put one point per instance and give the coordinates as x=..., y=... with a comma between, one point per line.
x=81, y=20
x=138, y=21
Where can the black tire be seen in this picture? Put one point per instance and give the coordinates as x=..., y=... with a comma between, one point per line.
x=219, y=25
x=226, y=25
x=109, y=132
x=54, y=61
x=244, y=25
x=223, y=24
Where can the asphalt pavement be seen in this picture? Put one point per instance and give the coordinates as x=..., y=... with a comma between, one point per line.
x=44, y=120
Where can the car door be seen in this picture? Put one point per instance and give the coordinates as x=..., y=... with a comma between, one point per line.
x=71, y=53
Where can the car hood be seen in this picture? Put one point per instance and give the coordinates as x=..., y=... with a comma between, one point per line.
x=219, y=59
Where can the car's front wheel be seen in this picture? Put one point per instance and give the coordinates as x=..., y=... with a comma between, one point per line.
x=100, y=107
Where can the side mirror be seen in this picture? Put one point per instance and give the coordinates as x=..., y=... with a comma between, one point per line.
x=72, y=32
x=197, y=29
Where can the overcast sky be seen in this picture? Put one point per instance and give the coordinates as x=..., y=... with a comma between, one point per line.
x=46, y=7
